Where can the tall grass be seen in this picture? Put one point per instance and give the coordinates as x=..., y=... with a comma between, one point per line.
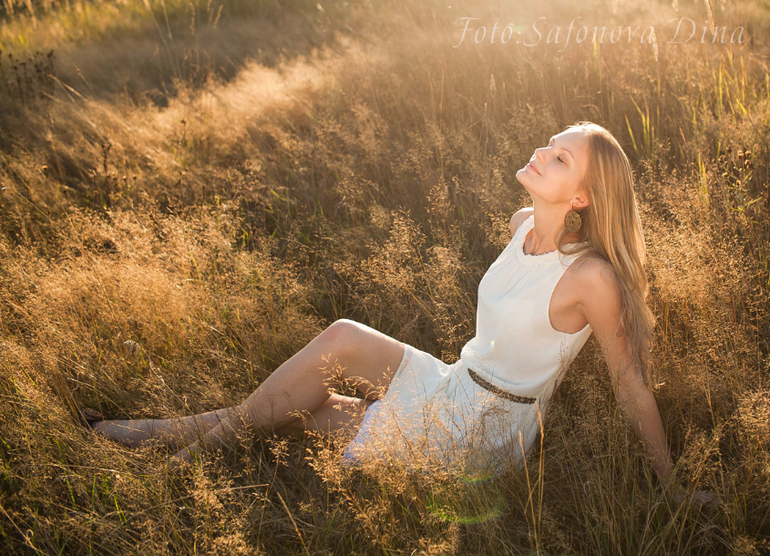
x=358, y=165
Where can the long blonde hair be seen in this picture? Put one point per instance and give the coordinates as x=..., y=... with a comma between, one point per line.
x=613, y=232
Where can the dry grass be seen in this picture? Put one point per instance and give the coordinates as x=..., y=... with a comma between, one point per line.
x=357, y=165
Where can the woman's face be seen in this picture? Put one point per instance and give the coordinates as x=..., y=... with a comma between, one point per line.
x=554, y=172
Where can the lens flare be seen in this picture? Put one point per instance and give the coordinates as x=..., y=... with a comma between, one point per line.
x=466, y=502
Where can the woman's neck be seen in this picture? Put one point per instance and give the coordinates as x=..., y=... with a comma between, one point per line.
x=542, y=237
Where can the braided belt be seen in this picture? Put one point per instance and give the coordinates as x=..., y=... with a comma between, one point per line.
x=498, y=391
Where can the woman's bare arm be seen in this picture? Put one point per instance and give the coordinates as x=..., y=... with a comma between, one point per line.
x=601, y=305
x=638, y=404
x=602, y=308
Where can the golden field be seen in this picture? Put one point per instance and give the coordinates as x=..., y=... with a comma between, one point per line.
x=219, y=181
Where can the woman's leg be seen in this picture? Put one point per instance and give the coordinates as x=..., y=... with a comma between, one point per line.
x=173, y=431
x=368, y=359
x=337, y=412
x=300, y=386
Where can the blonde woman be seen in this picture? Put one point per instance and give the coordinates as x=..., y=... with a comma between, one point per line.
x=574, y=266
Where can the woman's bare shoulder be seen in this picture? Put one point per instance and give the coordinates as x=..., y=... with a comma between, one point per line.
x=600, y=301
x=519, y=217
x=595, y=278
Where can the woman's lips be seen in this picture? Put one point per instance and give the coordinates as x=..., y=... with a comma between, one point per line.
x=533, y=168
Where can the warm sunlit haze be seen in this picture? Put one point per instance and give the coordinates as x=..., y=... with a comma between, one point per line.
x=191, y=191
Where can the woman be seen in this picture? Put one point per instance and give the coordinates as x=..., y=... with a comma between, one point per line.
x=574, y=266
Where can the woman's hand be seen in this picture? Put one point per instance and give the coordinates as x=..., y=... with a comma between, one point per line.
x=700, y=498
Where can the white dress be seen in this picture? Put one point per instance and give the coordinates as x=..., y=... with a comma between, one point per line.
x=436, y=413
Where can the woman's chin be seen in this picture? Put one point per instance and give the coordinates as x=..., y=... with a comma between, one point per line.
x=523, y=181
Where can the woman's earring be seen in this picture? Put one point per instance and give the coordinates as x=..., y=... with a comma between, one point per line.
x=572, y=221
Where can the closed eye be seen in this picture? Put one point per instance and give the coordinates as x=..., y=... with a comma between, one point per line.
x=550, y=143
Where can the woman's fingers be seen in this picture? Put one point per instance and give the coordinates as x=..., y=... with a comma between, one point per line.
x=699, y=497
x=709, y=499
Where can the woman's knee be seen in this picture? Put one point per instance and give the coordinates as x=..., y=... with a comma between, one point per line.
x=340, y=335
x=360, y=348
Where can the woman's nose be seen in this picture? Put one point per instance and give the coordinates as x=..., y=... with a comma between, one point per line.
x=540, y=154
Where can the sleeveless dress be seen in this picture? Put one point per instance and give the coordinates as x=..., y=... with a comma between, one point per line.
x=436, y=413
